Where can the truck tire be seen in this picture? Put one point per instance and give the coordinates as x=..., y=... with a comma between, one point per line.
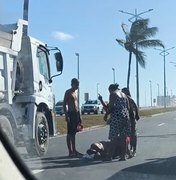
x=39, y=145
x=7, y=128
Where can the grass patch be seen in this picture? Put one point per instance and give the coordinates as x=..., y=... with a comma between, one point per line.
x=91, y=120
x=87, y=121
x=150, y=112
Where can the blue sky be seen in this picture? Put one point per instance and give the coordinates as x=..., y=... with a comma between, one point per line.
x=90, y=29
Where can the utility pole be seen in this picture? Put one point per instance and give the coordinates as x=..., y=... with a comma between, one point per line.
x=113, y=69
x=158, y=89
x=151, y=92
x=97, y=90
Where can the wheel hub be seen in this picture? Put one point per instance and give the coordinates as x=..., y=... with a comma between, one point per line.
x=42, y=133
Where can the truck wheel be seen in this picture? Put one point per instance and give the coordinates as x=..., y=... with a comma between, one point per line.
x=39, y=145
x=7, y=128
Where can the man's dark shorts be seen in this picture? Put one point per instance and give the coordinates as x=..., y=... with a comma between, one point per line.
x=74, y=121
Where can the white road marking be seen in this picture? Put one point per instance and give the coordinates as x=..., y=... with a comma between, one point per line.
x=154, y=115
x=161, y=124
x=36, y=171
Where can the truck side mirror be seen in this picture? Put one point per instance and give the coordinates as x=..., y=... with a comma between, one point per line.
x=59, y=65
x=59, y=61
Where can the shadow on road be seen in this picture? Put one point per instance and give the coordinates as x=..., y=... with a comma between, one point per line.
x=66, y=162
x=158, y=168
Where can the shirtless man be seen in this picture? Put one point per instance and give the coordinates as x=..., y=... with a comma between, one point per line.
x=72, y=116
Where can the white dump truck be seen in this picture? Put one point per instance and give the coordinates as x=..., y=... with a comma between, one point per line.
x=26, y=97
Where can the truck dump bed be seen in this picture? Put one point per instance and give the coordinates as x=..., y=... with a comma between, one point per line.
x=10, y=44
x=11, y=35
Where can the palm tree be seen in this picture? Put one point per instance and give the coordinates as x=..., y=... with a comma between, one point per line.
x=137, y=38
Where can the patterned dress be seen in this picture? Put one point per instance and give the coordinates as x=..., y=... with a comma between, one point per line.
x=119, y=118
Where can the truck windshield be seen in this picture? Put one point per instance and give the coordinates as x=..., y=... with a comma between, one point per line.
x=43, y=64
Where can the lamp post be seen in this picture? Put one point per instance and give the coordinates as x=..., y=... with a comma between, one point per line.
x=164, y=53
x=113, y=69
x=136, y=16
x=151, y=92
x=145, y=100
x=97, y=90
x=77, y=54
x=158, y=89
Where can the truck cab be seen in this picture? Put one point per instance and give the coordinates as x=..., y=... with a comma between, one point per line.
x=26, y=88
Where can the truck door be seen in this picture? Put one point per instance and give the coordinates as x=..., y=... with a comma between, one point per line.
x=45, y=89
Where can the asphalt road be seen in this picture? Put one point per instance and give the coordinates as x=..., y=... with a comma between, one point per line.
x=155, y=160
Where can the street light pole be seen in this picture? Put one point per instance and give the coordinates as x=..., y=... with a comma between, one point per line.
x=136, y=16
x=151, y=92
x=113, y=69
x=164, y=53
x=158, y=101
x=97, y=90
x=77, y=54
x=158, y=89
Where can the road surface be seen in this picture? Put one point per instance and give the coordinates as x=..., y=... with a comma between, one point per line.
x=155, y=160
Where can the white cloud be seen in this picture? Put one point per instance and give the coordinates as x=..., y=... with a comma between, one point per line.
x=62, y=36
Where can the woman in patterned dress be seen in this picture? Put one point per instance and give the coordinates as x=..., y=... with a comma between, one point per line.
x=118, y=109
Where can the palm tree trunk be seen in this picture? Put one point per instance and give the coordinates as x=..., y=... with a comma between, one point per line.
x=129, y=70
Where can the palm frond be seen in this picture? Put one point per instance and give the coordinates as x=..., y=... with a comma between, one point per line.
x=121, y=42
x=139, y=25
x=140, y=56
x=143, y=33
x=137, y=37
x=129, y=45
x=150, y=32
x=125, y=28
x=126, y=31
x=150, y=43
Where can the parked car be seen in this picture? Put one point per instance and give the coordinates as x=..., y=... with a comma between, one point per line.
x=59, y=108
x=92, y=106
